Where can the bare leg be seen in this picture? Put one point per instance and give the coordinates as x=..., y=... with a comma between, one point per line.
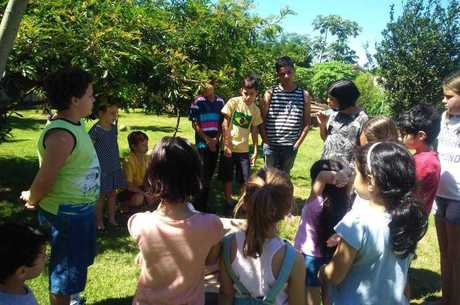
x=313, y=295
x=453, y=262
x=100, y=211
x=59, y=299
x=112, y=197
x=441, y=232
x=228, y=191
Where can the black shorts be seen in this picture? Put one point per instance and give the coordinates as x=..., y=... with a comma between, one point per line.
x=237, y=164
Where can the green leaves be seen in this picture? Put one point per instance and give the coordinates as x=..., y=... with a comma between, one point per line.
x=419, y=48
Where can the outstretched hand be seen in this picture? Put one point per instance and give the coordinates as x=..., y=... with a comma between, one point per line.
x=25, y=196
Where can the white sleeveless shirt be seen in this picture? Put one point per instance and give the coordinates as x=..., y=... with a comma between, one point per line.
x=449, y=157
x=256, y=273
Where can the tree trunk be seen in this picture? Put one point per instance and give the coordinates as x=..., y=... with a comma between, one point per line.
x=9, y=29
x=178, y=121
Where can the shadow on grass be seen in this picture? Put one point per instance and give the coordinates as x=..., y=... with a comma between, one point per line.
x=423, y=282
x=154, y=128
x=26, y=123
x=115, y=301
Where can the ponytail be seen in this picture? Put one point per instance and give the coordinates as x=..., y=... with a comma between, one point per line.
x=267, y=199
x=393, y=170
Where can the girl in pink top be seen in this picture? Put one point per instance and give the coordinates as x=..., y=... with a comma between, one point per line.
x=175, y=241
x=324, y=208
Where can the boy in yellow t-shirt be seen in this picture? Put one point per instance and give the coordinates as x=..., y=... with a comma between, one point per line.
x=241, y=118
x=134, y=167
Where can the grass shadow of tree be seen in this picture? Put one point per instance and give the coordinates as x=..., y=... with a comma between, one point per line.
x=165, y=129
x=22, y=123
x=423, y=282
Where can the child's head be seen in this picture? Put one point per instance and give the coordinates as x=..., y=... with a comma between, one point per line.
x=249, y=88
x=174, y=173
x=285, y=69
x=342, y=95
x=267, y=199
x=419, y=126
x=138, y=142
x=336, y=204
x=451, y=90
x=208, y=89
x=108, y=112
x=23, y=252
x=379, y=128
x=385, y=174
x=70, y=89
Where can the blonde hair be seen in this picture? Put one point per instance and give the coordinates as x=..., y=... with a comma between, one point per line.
x=452, y=82
x=267, y=199
x=380, y=128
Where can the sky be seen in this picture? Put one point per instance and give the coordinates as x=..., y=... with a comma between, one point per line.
x=371, y=15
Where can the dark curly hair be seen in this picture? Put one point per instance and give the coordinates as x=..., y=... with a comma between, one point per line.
x=422, y=117
x=21, y=246
x=61, y=86
x=393, y=170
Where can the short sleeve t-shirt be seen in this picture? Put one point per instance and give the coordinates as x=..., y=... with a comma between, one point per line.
x=377, y=276
x=449, y=157
x=342, y=135
x=427, y=174
x=207, y=114
x=135, y=169
x=18, y=299
x=242, y=118
x=172, y=256
x=307, y=235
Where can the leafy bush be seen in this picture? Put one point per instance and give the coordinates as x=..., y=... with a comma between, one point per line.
x=324, y=74
x=372, y=98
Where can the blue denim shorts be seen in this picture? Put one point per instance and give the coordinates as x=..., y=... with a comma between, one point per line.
x=313, y=264
x=280, y=157
x=447, y=209
x=73, y=246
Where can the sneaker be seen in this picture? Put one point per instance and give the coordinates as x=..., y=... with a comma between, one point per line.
x=75, y=299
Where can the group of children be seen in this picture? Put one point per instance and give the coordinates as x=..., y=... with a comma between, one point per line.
x=359, y=229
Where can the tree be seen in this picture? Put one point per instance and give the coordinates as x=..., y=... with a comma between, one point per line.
x=9, y=28
x=418, y=49
x=341, y=29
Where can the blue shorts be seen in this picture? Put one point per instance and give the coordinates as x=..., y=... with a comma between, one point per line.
x=73, y=246
x=313, y=264
x=447, y=209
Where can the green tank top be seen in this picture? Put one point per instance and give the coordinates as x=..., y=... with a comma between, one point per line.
x=78, y=180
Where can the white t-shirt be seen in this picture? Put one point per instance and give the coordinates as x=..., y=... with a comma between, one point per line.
x=449, y=157
x=377, y=276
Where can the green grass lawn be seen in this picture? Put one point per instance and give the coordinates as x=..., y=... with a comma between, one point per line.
x=112, y=278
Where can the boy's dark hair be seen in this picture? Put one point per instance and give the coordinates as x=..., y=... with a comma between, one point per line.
x=61, y=86
x=175, y=172
x=250, y=81
x=284, y=61
x=135, y=138
x=344, y=92
x=102, y=105
x=20, y=246
x=421, y=117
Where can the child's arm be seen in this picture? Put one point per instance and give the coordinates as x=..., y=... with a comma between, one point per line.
x=227, y=136
x=323, y=178
x=264, y=105
x=296, y=283
x=306, y=120
x=211, y=142
x=226, y=290
x=59, y=145
x=214, y=254
x=336, y=270
x=255, y=143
